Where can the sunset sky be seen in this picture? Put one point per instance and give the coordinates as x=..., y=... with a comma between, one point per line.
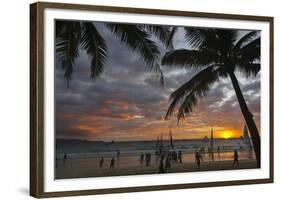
x=127, y=102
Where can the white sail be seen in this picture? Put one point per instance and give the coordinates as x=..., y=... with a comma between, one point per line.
x=246, y=137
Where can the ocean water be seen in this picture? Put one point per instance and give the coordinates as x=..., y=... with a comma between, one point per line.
x=133, y=149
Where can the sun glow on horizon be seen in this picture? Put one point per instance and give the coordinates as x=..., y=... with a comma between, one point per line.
x=227, y=134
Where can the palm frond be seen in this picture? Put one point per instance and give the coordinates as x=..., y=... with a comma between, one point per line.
x=189, y=58
x=250, y=52
x=67, y=44
x=161, y=78
x=219, y=41
x=60, y=26
x=254, y=44
x=226, y=40
x=95, y=45
x=202, y=38
x=249, y=69
x=248, y=57
x=161, y=32
x=138, y=39
x=188, y=94
x=67, y=41
x=245, y=40
x=67, y=66
x=170, y=39
x=187, y=105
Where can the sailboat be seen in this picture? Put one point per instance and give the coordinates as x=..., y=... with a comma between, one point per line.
x=246, y=137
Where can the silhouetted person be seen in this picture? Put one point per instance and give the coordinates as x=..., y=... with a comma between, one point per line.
x=64, y=157
x=156, y=156
x=118, y=154
x=147, y=159
x=168, y=164
x=170, y=155
x=174, y=156
x=160, y=152
x=118, y=157
x=161, y=166
x=180, y=156
x=235, y=158
x=141, y=159
x=198, y=159
x=101, y=162
x=112, y=163
x=218, y=149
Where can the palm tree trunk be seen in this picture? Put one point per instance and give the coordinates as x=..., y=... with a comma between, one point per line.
x=248, y=116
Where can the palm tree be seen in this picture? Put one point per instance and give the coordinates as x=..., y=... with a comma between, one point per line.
x=71, y=36
x=216, y=53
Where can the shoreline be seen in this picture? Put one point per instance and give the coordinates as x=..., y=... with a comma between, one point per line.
x=84, y=170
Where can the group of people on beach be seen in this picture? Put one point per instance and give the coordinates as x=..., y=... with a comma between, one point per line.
x=199, y=158
x=111, y=165
x=163, y=168
x=166, y=160
x=145, y=158
x=112, y=161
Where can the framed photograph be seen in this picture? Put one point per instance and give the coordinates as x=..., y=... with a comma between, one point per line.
x=129, y=99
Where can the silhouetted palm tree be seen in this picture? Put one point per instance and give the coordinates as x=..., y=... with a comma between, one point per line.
x=218, y=53
x=73, y=35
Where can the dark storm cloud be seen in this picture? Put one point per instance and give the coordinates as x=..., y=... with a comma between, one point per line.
x=127, y=98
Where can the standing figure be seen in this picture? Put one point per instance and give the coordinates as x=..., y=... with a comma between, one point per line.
x=64, y=158
x=156, y=156
x=56, y=162
x=160, y=152
x=141, y=159
x=112, y=163
x=118, y=154
x=118, y=157
x=174, y=156
x=235, y=158
x=167, y=165
x=146, y=159
x=161, y=166
x=198, y=159
x=218, y=149
x=180, y=156
x=101, y=162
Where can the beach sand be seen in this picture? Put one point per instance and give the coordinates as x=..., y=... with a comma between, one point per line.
x=84, y=168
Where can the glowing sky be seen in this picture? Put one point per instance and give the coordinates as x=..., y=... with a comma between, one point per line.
x=127, y=103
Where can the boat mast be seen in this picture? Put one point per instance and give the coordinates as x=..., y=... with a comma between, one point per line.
x=171, y=139
x=212, y=140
